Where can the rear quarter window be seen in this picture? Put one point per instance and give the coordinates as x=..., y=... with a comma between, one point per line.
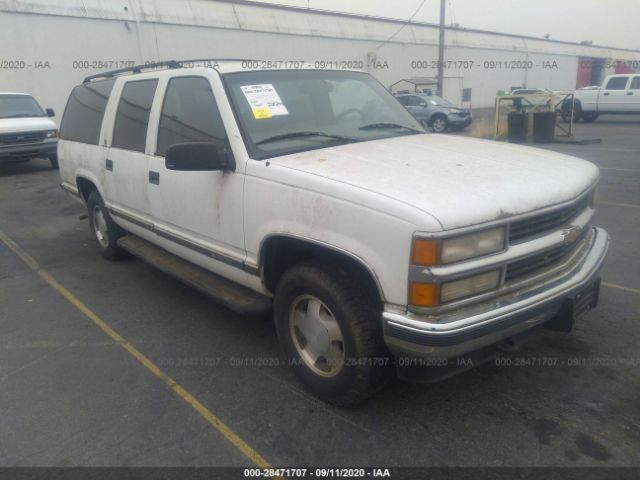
x=82, y=119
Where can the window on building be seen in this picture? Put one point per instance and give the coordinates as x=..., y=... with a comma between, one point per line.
x=189, y=114
x=132, y=118
x=82, y=119
x=466, y=94
x=635, y=83
x=617, y=83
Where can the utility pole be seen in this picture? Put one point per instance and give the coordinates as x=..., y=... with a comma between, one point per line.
x=441, y=51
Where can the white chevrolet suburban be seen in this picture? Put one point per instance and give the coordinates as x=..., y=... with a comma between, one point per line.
x=26, y=130
x=381, y=249
x=619, y=94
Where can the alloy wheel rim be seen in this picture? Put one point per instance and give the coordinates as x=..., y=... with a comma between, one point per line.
x=100, y=227
x=317, y=336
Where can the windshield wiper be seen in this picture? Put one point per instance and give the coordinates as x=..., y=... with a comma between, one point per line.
x=388, y=126
x=303, y=134
x=20, y=115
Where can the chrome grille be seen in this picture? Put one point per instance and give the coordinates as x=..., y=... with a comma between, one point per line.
x=541, y=261
x=529, y=227
x=20, y=138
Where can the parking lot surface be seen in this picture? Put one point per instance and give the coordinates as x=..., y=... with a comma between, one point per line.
x=74, y=395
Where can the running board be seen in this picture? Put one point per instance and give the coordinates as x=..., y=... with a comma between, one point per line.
x=233, y=296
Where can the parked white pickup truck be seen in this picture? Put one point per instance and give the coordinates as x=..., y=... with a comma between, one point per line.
x=381, y=248
x=619, y=94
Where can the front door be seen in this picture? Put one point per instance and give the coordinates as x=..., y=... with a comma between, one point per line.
x=614, y=96
x=202, y=210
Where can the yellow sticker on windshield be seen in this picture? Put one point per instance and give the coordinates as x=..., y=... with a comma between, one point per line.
x=261, y=112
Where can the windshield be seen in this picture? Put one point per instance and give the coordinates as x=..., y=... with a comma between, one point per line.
x=435, y=100
x=16, y=106
x=282, y=112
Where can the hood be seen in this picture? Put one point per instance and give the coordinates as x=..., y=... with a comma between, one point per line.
x=458, y=180
x=29, y=124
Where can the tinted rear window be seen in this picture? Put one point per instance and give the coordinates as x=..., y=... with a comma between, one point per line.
x=83, y=115
x=132, y=119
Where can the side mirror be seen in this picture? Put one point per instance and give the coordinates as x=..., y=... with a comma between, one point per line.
x=199, y=156
x=50, y=112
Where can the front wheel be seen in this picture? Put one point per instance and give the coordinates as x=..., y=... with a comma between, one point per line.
x=330, y=330
x=104, y=229
x=589, y=116
x=54, y=162
x=438, y=123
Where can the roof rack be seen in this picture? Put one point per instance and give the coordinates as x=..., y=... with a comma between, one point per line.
x=134, y=69
x=166, y=64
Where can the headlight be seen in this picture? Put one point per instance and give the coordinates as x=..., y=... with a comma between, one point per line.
x=449, y=250
x=432, y=294
x=469, y=286
x=51, y=134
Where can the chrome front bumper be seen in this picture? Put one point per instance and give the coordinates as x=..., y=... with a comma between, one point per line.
x=408, y=335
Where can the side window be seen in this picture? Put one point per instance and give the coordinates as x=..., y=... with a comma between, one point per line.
x=82, y=119
x=635, y=83
x=403, y=100
x=132, y=118
x=189, y=114
x=617, y=83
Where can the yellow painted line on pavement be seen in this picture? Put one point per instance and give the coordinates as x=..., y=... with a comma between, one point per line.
x=614, y=204
x=620, y=287
x=203, y=411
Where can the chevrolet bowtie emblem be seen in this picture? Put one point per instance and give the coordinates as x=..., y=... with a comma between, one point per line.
x=571, y=234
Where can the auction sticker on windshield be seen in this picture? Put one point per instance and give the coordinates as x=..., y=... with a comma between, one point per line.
x=264, y=101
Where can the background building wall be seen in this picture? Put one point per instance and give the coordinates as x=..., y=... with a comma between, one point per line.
x=48, y=46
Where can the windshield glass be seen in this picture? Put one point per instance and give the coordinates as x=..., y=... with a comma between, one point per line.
x=282, y=112
x=435, y=100
x=16, y=106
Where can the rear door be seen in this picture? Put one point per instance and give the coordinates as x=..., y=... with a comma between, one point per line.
x=127, y=163
x=613, y=98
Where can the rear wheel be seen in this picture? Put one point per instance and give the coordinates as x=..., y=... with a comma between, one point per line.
x=104, y=230
x=330, y=329
x=566, y=112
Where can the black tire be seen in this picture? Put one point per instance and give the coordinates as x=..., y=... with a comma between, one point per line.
x=108, y=245
x=438, y=123
x=54, y=162
x=566, y=112
x=367, y=363
x=589, y=116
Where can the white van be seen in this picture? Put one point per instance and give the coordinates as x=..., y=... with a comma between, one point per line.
x=26, y=130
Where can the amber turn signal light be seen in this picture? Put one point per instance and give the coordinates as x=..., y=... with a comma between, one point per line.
x=423, y=294
x=424, y=252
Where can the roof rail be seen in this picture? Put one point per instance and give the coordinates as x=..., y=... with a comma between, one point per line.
x=166, y=64
x=134, y=69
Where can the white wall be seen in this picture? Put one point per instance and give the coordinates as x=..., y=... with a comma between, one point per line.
x=63, y=32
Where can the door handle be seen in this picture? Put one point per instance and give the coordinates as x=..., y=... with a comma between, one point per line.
x=154, y=177
x=605, y=94
x=109, y=165
x=629, y=93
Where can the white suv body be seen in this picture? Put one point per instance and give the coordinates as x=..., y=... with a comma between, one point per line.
x=387, y=243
